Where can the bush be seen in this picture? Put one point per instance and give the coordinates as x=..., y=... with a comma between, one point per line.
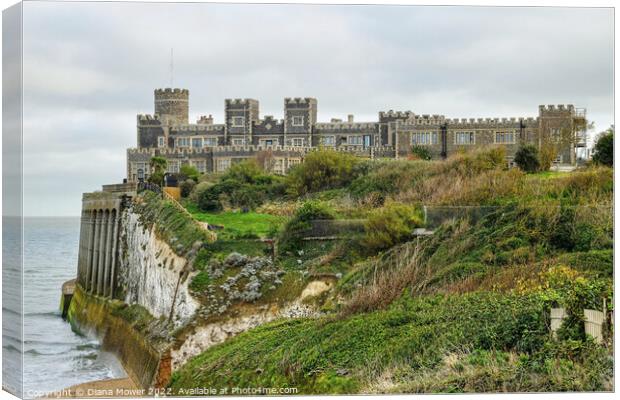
x=246, y=171
x=292, y=232
x=209, y=200
x=421, y=152
x=546, y=155
x=527, y=158
x=390, y=225
x=186, y=187
x=199, y=190
x=604, y=148
x=321, y=170
x=245, y=185
x=189, y=172
x=156, y=178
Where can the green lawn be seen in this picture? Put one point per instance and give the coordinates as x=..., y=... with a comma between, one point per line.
x=238, y=224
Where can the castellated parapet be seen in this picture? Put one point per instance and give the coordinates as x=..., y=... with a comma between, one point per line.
x=148, y=119
x=556, y=109
x=172, y=105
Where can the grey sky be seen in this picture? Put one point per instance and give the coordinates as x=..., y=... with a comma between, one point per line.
x=90, y=67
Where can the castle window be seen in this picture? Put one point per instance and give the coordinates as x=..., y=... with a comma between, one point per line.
x=298, y=121
x=464, y=138
x=183, y=142
x=424, y=138
x=173, y=167
x=238, y=142
x=354, y=140
x=210, y=142
x=222, y=164
x=200, y=165
x=197, y=143
x=298, y=142
x=505, y=137
x=161, y=141
x=269, y=142
x=293, y=161
x=278, y=164
x=328, y=140
x=238, y=121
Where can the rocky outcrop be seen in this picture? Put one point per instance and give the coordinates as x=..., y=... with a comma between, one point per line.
x=152, y=275
x=237, y=279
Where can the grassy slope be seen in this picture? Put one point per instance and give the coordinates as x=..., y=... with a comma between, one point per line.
x=333, y=355
x=486, y=331
x=238, y=224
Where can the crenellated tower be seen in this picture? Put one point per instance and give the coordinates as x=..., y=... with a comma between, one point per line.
x=172, y=106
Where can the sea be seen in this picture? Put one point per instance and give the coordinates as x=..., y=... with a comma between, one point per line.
x=54, y=356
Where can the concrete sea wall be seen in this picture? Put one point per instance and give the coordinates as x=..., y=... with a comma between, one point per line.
x=142, y=360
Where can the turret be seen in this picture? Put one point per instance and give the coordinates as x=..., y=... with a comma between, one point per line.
x=172, y=106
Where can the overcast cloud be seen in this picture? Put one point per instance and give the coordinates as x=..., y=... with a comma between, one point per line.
x=89, y=68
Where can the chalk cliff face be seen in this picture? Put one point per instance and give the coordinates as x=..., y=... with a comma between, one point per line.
x=151, y=274
x=211, y=334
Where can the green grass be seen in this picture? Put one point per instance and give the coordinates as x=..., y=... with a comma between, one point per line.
x=238, y=224
x=177, y=228
x=311, y=354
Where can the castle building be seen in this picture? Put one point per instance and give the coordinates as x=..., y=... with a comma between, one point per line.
x=280, y=144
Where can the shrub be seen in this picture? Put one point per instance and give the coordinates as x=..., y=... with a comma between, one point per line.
x=247, y=171
x=489, y=159
x=546, y=155
x=209, y=200
x=189, y=172
x=292, y=232
x=526, y=158
x=186, y=187
x=604, y=148
x=198, y=191
x=421, y=152
x=156, y=178
x=322, y=169
x=245, y=185
x=390, y=225
x=387, y=177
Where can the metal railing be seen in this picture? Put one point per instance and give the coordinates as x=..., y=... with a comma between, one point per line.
x=142, y=186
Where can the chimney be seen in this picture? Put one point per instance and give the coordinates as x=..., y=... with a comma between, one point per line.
x=350, y=118
x=206, y=120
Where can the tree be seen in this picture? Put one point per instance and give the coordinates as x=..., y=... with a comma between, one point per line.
x=604, y=148
x=563, y=139
x=526, y=158
x=158, y=164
